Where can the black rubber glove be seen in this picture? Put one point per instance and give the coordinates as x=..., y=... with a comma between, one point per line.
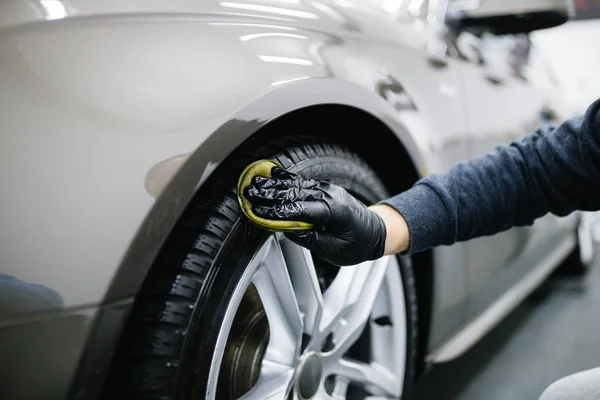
x=345, y=231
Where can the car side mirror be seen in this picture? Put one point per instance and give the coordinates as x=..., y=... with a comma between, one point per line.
x=508, y=16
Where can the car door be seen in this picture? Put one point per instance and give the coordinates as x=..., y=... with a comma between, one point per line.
x=432, y=76
x=502, y=105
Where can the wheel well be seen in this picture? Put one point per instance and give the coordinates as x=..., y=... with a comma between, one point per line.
x=382, y=150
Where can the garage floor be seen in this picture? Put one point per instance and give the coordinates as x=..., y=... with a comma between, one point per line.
x=552, y=334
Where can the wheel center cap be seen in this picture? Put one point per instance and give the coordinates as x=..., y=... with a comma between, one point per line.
x=308, y=376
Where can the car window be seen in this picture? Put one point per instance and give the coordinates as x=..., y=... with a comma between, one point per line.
x=584, y=9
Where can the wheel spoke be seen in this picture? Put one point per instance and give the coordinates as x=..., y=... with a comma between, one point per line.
x=305, y=282
x=341, y=387
x=369, y=375
x=276, y=292
x=349, y=300
x=274, y=382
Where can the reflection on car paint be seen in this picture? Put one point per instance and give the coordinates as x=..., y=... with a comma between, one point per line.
x=390, y=89
x=19, y=298
x=288, y=12
x=161, y=174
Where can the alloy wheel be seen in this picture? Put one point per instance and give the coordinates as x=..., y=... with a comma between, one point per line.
x=290, y=333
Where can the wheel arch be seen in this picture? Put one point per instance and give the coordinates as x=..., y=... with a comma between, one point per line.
x=331, y=106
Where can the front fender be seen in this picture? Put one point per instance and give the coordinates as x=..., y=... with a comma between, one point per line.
x=111, y=124
x=193, y=169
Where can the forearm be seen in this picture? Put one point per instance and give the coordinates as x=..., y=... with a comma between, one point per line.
x=397, y=235
x=552, y=170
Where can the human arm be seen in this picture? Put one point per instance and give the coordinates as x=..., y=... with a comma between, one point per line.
x=552, y=170
x=397, y=234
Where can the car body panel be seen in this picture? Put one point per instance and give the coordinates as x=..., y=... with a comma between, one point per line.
x=505, y=73
x=65, y=354
x=40, y=355
x=144, y=125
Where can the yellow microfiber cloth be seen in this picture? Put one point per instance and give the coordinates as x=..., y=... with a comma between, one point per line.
x=263, y=168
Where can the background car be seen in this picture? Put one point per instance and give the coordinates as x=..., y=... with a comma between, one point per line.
x=125, y=127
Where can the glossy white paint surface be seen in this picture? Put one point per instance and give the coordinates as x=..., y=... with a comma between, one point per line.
x=90, y=105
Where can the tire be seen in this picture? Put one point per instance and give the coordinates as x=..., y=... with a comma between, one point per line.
x=580, y=261
x=168, y=346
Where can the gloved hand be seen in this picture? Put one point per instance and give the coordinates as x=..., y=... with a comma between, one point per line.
x=345, y=231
